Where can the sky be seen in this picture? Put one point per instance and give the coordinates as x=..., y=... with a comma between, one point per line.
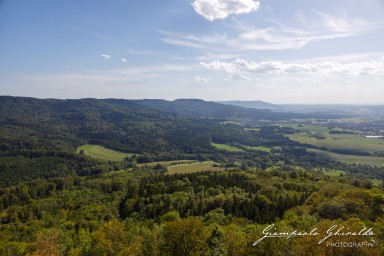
x=283, y=52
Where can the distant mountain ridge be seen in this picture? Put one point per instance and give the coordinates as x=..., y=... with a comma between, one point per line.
x=313, y=109
x=197, y=108
x=251, y=104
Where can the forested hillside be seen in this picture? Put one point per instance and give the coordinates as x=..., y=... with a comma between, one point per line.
x=134, y=126
x=33, y=130
x=203, y=109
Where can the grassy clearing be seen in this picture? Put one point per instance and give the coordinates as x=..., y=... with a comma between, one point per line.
x=167, y=163
x=230, y=122
x=258, y=148
x=193, y=167
x=334, y=173
x=308, y=128
x=377, y=161
x=226, y=147
x=103, y=153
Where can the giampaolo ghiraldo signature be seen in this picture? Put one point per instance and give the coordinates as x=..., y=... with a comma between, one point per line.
x=334, y=231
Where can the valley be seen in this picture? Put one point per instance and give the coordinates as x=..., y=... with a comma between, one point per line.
x=79, y=176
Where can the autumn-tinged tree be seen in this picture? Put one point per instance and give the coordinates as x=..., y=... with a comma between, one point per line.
x=112, y=240
x=234, y=240
x=48, y=243
x=184, y=237
x=109, y=239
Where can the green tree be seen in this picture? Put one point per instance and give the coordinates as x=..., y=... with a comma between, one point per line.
x=184, y=237
x=109, y=239
x=83, y=243
x=170, y=216
x=216, y=243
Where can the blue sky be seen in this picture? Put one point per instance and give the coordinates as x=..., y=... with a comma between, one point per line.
x=301, y=51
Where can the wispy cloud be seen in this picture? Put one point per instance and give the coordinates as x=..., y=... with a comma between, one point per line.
x=340, y=23
x=221, y=9
x=311, y=27
x=123, y=60
x=105, y=56
x=192, y=41
x=211, y=56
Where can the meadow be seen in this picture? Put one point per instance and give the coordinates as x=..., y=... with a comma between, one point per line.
x=309, y=135
x=102, y=153
x=166, y=163
x=376, y=161
x=174, y=166
x=258, y=148
x=193, y=167
x=230, y=148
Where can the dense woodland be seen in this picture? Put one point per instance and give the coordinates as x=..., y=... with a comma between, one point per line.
x=54, y=201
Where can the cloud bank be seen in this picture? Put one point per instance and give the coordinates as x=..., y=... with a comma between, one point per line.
x=221, y=9
x=242, y=67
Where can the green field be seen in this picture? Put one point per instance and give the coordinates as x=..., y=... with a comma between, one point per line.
x=103, y=153
x=341, y=141
x=226, y=147
x=167, y=163
x=308, y=128
x=230, y=122
x=193, y=167
x=336, y=141
x=377, y=161
x=258, y=148
x=252, y=129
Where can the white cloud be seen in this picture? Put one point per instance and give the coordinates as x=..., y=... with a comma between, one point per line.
x=235, y=73
x=341, y=79
x=221, y=9
x=242, y=67
x=105, y=56
x=200, y=79
x=218, y=65
x=123, y=60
